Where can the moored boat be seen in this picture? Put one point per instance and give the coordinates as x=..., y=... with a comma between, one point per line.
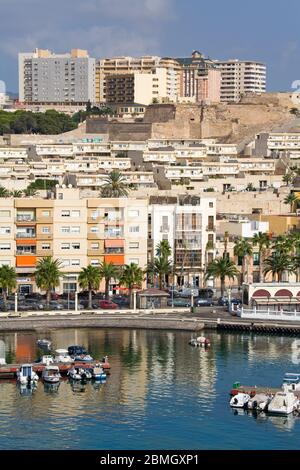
x=79, y=354
x=62, y=355
x=200, y=341
x=98, y=373
x=44, y=343
x=291, y=382
x=259, y=402
x=283, y=403
x=79, y=373
x=51, y=374
x=26, y=375
x=240, y=400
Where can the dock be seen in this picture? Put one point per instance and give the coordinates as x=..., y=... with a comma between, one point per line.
x=252, y=391
x=9, y=371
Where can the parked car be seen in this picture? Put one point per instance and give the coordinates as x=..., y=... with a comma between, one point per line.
x=223, y=301
x=201, y=302
x=121, y=301
x=107, y=305
x=179, y=302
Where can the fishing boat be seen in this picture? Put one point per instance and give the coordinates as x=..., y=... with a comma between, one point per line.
x=283, y=403
x=240, y=400
x=62, y=355
x=79, y=373
x=98, y=373
x=51, y=374
x=26, y=375
x=292, y=382
x=259, y=402
x=44, y=343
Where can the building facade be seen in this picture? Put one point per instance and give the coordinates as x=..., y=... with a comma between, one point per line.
x=45, y=77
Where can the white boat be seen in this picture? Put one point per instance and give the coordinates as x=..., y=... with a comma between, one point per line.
x=200, y=341
x=283, y=403
x=62, y=355
x=240, y=400
x=292, y=382
x=47, y=360
x=98, y=373
x=51, y=374
x=259, y=402
x=79, y=373
x=44, y=343
x=26, y=375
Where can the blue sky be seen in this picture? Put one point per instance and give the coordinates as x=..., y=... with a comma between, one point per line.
x=261, y=29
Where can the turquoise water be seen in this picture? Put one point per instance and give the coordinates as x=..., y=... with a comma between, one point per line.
x=161, y=394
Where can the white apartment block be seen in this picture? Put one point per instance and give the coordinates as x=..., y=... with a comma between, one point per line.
x=45, y=77
x=277, y=144
x=241, y=77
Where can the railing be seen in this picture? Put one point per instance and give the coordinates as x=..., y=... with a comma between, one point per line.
x=268, y=314
x=26, y=235
x=164, y=229
x=211, y=228
x=25, y=218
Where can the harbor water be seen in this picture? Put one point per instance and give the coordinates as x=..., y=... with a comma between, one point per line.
x=161, y=394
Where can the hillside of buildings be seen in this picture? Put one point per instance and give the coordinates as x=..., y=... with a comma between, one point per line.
x=229, y=123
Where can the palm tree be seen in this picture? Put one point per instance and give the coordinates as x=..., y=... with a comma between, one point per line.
x=163, y=249
x=283, y=244
x=89, y=278
x=4, y=192
x=47, y=275
x=16, y=193
x=291, y=199
x=115, y=186
x=8, y=281
x=221, y=268
x=243, y=249
x=263, y=242
x=161, y=267
x=107, y=272
x=132, y=275
x=30, y=192
x=277, y=263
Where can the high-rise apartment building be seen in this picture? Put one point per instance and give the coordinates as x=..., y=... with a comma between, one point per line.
x=166, y=73
x=241, y=77
x=45, y=77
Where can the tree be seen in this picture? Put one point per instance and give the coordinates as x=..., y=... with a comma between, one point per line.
x=115, y=186
x=47, y=275
x=221, y=268
x=291, y=199
x=89, y=278
x=163, y=249
x=107, y=272
x=277, y=263
x=8, y=281
x=132, y=275
x=288, y=178
x=29, y=191
x=161, y=267
x=261, y=240
x=4, y=192
x=243, y=249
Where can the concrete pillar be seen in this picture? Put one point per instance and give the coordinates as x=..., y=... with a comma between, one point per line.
x=16, y=302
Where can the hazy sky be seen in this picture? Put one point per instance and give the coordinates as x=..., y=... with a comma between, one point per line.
x=264, y=30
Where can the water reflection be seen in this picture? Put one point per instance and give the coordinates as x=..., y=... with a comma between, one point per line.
x=161, y=391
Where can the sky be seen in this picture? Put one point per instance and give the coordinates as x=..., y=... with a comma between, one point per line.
x=261, y=30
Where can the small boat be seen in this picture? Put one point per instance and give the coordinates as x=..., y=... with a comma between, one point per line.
x=45, y=360
x=259, y=402
x=79, y=354
x=98, y=373
x=44, y=343
x=26, y=375
x=51, y=374
x=283, y=403
x=79, y=373
x=292, y=382
x=200, y=341
x=240, y=400
x=62, y=355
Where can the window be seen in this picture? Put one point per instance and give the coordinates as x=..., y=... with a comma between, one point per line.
x=75, y=262
x=134, y=229
x=65, y=263
x=255, y=259
x=211, y=204
x=65, y=230
x=134, y=245
x=4, y=246
x=46, y=246
x=133, y=213
x=45, y=213
x=5, y=262
x=65, y=213
x=95, y=262
x=94, y=246
x=75, y=229
x=75, y=213
x=76, y=246
x=134, y=261
x=95, y=214
x=4, y=230
x=4, y=213
x=60, y=196
x=94, y=229
x=65, y=246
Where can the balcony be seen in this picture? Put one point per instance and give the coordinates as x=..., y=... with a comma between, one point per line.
x=164, y=229
x=25, y=235
x=26, y=261
x=211, y=228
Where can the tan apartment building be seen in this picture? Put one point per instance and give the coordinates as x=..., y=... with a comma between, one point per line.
x=75, y=230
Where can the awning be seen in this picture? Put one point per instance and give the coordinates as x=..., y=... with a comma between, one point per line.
x=114, y=243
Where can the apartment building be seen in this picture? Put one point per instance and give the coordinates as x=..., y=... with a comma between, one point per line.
x=188, y=223
x=74, y=230
x=200, y=79
x=240, y=77
x=137, y=70
x=277, y=144
x=46, y=77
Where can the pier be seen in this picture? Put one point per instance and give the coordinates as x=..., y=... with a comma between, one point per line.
x=9, y=371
